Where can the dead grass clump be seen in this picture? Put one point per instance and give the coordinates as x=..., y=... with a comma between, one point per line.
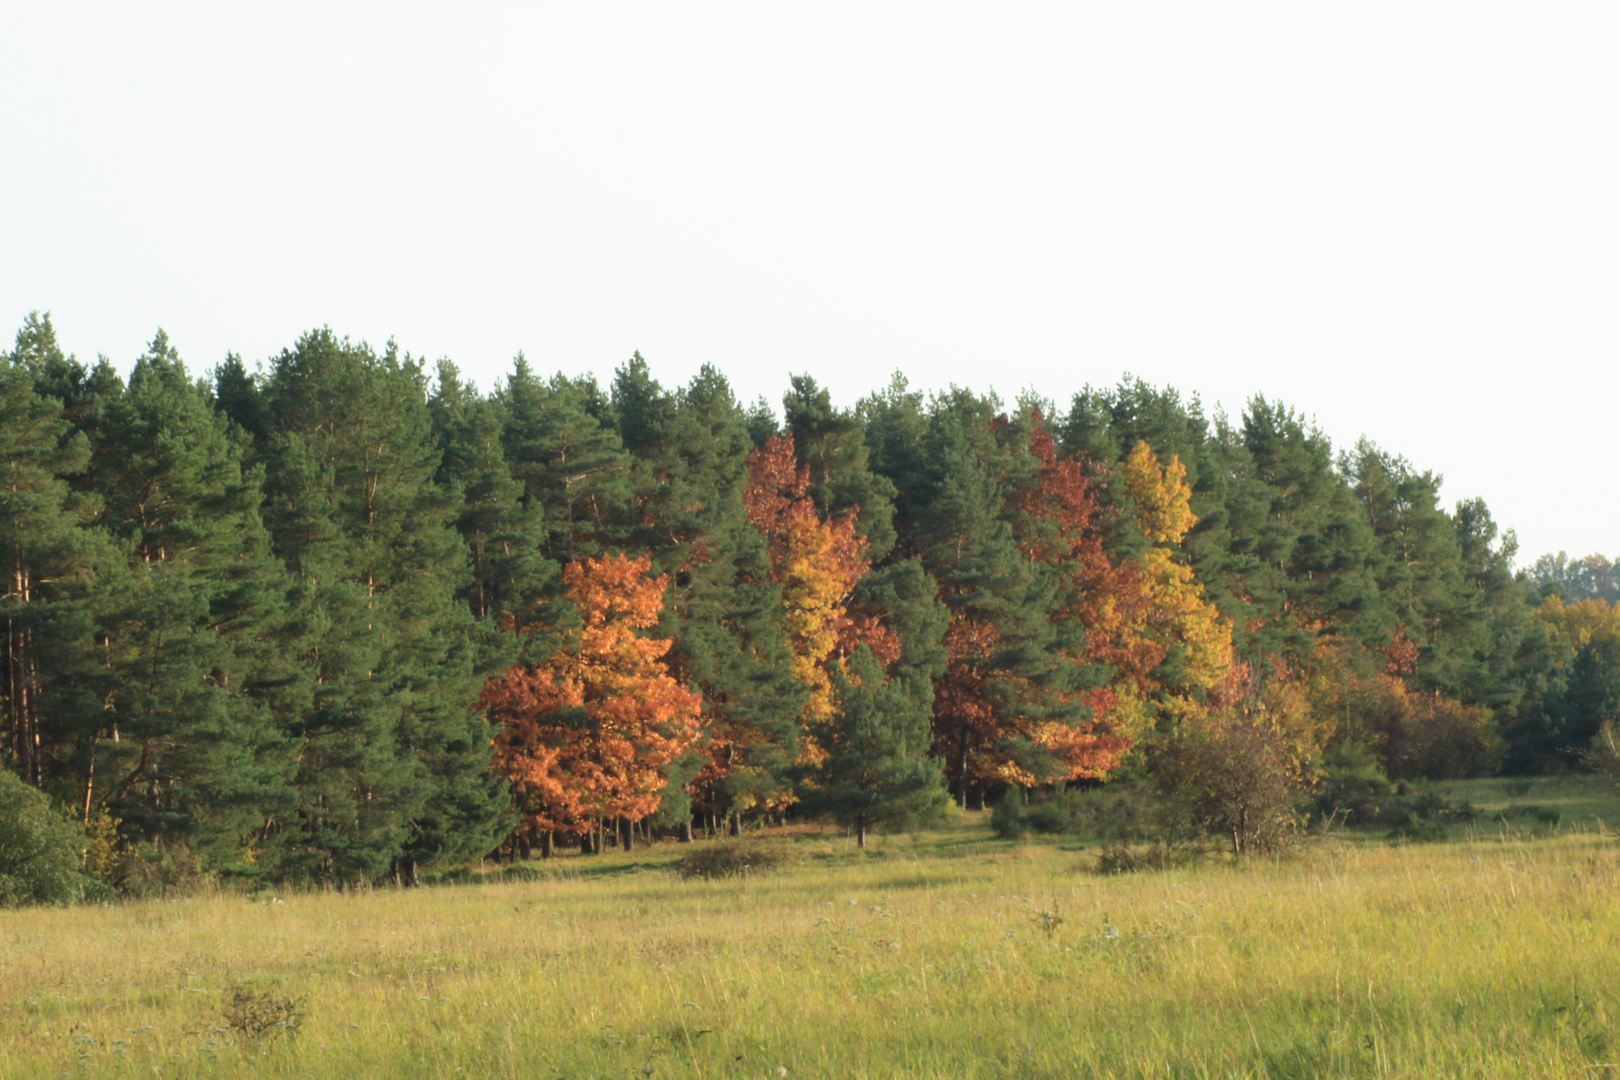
x=259, y=1015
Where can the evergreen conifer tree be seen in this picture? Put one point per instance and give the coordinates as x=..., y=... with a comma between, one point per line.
x=393, y=762
x=723, y=611
x=511, y=578
x=560, y=445
x=185, y=752
x=877, y=770
x=56, y=563
x=833, y=443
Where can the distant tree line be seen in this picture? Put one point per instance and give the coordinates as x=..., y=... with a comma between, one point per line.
x=340, y=619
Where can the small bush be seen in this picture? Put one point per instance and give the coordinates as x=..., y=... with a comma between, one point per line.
x=1236, y=779
x=41, y=854
x=1124, y=857
x=1603, y=757
x=1048, y=817
x=1354, y=787
x=1007, y=819
x=1422, y=815
x=728, y=859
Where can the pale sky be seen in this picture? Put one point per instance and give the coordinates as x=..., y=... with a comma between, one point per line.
x=1400, y=218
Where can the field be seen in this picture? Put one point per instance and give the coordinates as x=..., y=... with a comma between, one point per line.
x=1492, y=953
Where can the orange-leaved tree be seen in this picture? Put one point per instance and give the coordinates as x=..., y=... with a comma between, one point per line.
x=1060, y=510
x=817, y=564
x=585, y=735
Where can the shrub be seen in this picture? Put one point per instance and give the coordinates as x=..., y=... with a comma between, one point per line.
x=731, y=858
x=1604, y=755
x=1354, y=787
x=1422, y=814
x=1124, y=857
x=41, y=854
x=1007, y=819
x=1237, y=780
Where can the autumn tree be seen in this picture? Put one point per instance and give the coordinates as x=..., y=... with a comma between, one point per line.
x=587, y=735
x=816, y=563
x=1008, y=672
x=1059, y=527
x=1171, y=611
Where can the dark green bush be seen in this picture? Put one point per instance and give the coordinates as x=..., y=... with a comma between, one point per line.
x=731, y=858
x=41, y=853
x=1007, y=818
x=1354, y=789
x=1422, y=815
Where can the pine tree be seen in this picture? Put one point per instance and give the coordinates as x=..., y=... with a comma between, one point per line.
x=1421, y=575
x=393, y=762
x=80, y=389
x=832, y=443
x=876, y=769
x=1008, y=674
x=186, y=753
x=55, y=564
x=723, y=612
x=560, y=444
x=511, y=578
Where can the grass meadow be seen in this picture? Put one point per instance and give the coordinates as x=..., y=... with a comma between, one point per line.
x=1492, y=953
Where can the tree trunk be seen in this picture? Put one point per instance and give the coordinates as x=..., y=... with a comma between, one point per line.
x=523, y=844
x=961, y=774
x=548, y=842
x=585, y=842
x=686, y=832
x=627, y=834
x=736, y=824
x=860, y=835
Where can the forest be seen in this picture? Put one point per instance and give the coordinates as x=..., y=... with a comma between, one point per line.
x=340, y=618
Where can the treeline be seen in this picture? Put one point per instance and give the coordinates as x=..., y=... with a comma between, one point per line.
x=338, y=619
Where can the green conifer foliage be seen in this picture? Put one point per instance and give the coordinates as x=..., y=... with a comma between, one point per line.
x=1008, y=669
x=877, y=770
x=393, y=764
x=560, y=444
x=723, y=612
x=185, y=752
x=55, y=568
x=1421, y=573
x=833, y=443
x=511, y=577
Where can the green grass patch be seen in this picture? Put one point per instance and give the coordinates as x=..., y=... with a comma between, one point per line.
x=939, y=954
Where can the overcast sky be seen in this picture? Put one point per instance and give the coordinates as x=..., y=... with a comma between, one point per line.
x=1402, y=219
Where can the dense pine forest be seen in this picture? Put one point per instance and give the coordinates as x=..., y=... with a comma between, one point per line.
x=343, y=618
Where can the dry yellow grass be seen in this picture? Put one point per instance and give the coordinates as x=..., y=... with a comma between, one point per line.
x=934, y=957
